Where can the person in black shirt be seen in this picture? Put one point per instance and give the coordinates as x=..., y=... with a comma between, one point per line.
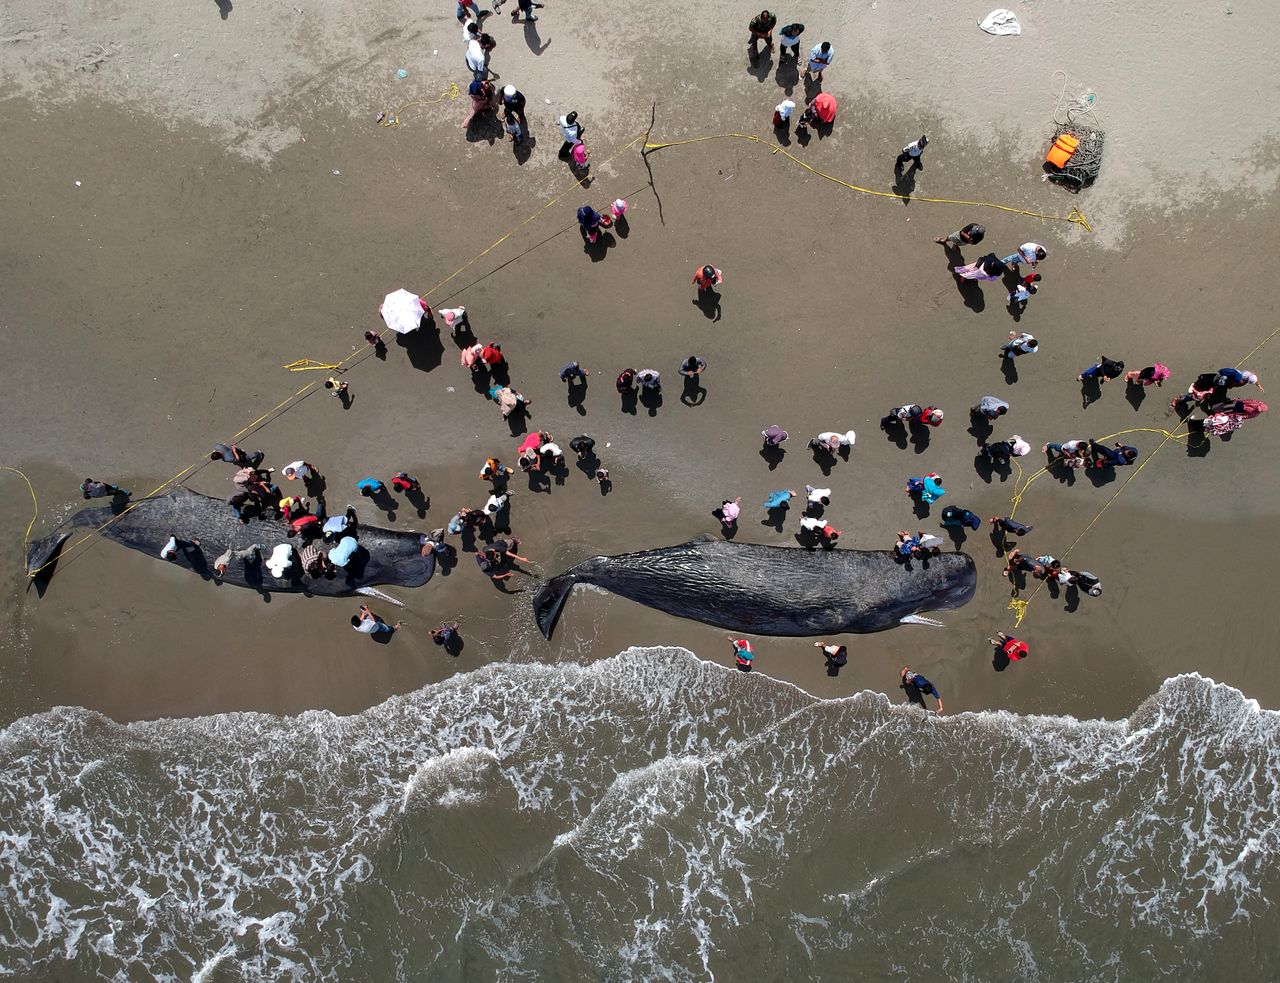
x=917, y=688
x=970, y=235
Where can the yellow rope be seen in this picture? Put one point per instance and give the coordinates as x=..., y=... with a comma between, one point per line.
x=304, y=364
x=393, y=118
x=35, y=506
x=310, y=365
x=1074, y=216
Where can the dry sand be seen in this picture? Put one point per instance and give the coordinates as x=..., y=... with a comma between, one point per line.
x=148, y=311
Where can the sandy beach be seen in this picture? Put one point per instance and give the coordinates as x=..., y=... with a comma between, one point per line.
x=151, y=306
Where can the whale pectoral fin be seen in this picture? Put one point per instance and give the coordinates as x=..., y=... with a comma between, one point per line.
x=915, y=619
x=374, y=592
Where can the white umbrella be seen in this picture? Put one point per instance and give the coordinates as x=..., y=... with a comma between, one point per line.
x=402, y=311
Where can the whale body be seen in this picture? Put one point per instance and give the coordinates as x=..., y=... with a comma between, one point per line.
x=385, y=556
x=772, y=590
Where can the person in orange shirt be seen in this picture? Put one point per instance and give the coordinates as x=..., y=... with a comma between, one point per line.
x=706, y=277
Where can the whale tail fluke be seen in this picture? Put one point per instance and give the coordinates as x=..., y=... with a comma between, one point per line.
x=916, y=619
x=549, y=599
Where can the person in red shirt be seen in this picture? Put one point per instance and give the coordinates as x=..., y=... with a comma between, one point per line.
x=491, y=354
x=706, y=277
x=1013, y=649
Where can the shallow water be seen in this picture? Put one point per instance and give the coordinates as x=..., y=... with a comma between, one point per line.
x=648, y=816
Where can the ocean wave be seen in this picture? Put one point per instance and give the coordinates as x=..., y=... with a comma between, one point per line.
x=647, y=816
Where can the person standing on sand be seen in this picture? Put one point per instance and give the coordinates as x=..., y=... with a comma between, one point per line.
x=483, y=100
x=912, y=154
x=491, y=354
x=649, y=379
x=929, y=488
x=370, y=486
x=368, y=623
x=1013, y=649
x=476, y=58
x=820, y=59
x=626, y=381
x=761, y=28
x=513, y=102
x=468, y=8
x=729, y=511
x=774, y=436
x=970, y=235
x=525, y=7
x=582, y=445
x=817, y=496
x=495, y=471
x=1019, y=344
x=789, y=41
x=706, y=277
x=693, y=366
x=572, y=132
x=572, y=374
x=917, y=688
x=743, y=655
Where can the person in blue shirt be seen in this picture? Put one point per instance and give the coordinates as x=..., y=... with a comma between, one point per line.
x=370, y=486
x=341, y=554
x=779, y=499
x=917, y=688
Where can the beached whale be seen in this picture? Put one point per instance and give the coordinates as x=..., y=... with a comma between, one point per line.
x=772, y=590
x=385, y=556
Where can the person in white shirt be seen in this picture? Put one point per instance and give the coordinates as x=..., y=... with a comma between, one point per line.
x=572, y=132
x=831, y=442
x=1019, y=344
x=820, y=59
x=1029, y=252
x=911, y=154
x=477, y=59
x=818, y=496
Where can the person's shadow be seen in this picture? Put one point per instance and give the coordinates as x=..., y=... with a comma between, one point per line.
x=383, y=500
x=224, y=8
x=957, y=534
x=776, y=517
x=1009, y=369
x=577, y=395
x=824, y=461
x=1135, y=393
x=487, y=128
x=523, y=150
x=629, y=399
x=621, y=226
x=920, y=507
x=1016, y=308
x=532, y=39
x=920, y=437
x=423, y=347
x=895, y=432
x=708, y=301
x=980, y=426
x=773, y=455
x=345, y=398
x=811, y=88
x=904, y=184
x=599, y=249
x=419, y=501
x=588, y=464
x=651, y=399
x=1090, y=392
x=787, y=74
x=999, y=661
x=758, y=68
x=782, y=133
x=694, y=394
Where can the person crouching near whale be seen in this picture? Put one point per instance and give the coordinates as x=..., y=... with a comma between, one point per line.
x=90, y=488
x=827, y=534
x=729, y=511
x=742, y=653
x=247, y=555
x=917, y=688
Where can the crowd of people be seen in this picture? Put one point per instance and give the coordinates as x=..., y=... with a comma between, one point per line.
x=319, y=544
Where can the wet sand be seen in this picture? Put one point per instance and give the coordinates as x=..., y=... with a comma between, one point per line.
x=148, y=312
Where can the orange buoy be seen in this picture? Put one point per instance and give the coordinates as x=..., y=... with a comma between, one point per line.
x=1062, y=150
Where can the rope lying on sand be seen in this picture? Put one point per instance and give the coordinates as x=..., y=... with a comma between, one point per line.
x=1019, y=605
x=1074, y=216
